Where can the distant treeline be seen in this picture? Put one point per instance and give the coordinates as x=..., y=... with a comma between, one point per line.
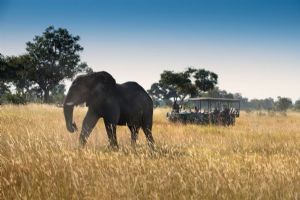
x=50, y=59
x=178, y=86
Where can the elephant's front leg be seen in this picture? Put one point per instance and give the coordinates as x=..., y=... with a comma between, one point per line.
x=111, y=133
x=88, y=124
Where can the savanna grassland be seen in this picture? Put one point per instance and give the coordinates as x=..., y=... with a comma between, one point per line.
x=259, y=158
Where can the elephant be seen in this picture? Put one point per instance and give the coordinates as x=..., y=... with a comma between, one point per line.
x=118, y=104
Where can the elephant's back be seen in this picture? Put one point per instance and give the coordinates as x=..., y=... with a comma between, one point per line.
x=135, y=102
x=134, y=92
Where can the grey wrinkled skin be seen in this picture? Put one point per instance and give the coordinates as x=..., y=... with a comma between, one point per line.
x=118, y=104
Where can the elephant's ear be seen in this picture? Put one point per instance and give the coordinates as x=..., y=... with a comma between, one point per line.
x=100, y=83
x=96, y=91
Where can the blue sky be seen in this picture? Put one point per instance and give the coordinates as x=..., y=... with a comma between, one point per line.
x=253, y=45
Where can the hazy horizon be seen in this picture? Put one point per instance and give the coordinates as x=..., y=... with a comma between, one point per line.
x=253, y=45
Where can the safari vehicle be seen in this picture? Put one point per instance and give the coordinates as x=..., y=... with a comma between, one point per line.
x=206, y=110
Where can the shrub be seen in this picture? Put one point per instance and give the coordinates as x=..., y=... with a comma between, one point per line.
x=15, y=99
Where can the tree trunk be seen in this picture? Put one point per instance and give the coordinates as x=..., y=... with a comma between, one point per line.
x=46, y=96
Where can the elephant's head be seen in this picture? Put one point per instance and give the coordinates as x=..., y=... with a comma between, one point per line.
x=86, y=89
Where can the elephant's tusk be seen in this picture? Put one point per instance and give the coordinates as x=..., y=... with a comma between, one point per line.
x=70, y=103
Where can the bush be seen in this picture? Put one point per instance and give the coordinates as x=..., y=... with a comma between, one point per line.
x=15, y=99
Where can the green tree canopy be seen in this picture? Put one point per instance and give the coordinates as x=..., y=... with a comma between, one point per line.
x=55, y=57
x=283, y=103
x=297, y=105
x=19, y=69
x=3, y=76
x=161, y=92
x=218, y=93
x=179, y=85
x=205, y=80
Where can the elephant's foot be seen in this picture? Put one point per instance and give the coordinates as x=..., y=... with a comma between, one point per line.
x=113, y=147
x=133, y=144
x=151, y=145
x=82, y=140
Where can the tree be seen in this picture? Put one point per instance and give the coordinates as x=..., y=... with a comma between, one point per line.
x=217, y=93
x=3, y=76
x=55, y=57
x=283, y=103
x=15, y=83
x=19, y=72
x=161, y=93
x=205, y=80
x=179, y=83
x=191, y=82
x=297, y=105
x=268, y=103
x=58, y=94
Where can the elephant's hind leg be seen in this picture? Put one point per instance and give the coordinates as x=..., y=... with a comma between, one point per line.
x=88, y=124
x=134, y=134
x=149, y=137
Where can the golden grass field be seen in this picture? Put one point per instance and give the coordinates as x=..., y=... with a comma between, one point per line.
x=259, y=158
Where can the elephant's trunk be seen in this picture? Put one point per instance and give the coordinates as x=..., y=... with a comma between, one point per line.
x=68, y=112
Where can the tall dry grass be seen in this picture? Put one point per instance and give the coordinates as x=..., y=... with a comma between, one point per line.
x=259, y=158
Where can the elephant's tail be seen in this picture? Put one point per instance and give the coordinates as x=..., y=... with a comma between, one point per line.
x=147, y=119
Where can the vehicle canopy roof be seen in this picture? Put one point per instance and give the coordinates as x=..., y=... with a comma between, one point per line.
x=214, y=99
